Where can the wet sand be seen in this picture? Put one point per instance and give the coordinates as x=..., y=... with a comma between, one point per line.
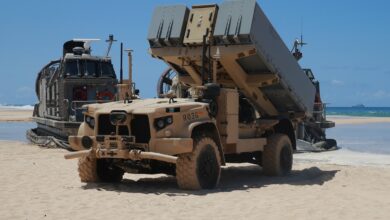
x=345, y=120
x=15, y=115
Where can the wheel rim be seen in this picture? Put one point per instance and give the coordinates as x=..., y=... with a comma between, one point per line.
x=286, y=159
x=208, y=168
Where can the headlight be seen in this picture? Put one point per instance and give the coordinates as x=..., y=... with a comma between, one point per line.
x=90, y=121
x=169, y=120
x=161, y=123
x=87, y=142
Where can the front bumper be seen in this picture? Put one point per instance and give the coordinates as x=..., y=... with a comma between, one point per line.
x=135, y=155
x=162, y=149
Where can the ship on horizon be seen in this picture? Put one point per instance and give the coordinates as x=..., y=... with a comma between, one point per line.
x=359, y=106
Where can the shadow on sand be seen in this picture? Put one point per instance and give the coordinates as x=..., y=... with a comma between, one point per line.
x=232, y=179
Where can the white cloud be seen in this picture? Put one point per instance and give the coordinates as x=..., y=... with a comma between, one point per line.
x=381, y=94
x=336, y=82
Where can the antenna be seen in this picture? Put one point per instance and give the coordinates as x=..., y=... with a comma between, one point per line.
x=298, y=45
x=301, y=29
x=110, y=41
x=121, y=66
x=301, y=43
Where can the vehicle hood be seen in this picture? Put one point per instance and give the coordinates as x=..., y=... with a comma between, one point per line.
x=146, y=106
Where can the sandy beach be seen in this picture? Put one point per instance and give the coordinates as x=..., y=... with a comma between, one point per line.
x=15, y=115
x=347, y=120
x=38, y=183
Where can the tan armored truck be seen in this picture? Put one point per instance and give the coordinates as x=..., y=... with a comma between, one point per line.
x=245, y=93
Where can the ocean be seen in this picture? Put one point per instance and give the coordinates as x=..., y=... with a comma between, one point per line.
x=369, y=138
x=359, y=111
x=15, y=131
x=331, y=111
x=19, y=107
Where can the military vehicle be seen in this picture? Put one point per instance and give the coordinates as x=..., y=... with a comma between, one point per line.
x=246, y=96
x=63, y=86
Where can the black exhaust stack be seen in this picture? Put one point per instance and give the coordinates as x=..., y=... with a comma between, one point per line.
x=121, y=68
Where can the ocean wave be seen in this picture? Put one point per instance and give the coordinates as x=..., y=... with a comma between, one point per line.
x=19, y=107
x=360, y=112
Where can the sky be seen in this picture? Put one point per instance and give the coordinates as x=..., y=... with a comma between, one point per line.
x=348, y=42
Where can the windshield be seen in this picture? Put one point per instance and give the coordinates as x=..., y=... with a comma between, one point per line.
x=107, y=69
x=71, y=68
x=81, y=68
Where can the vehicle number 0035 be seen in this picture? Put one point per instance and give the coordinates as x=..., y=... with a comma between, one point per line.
x=191, y=116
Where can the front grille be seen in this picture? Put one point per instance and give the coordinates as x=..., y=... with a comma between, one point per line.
x=105, y=126
x=123, y=130
x=140, y=129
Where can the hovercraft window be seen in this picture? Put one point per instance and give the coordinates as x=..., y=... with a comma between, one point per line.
x=82, y=68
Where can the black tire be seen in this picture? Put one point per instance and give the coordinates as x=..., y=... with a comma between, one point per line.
x=107, y=172
x=200, y=169
x=87, y=170
x=92, y=170
x=278, y=156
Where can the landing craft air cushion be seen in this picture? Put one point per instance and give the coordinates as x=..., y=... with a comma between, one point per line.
x=64, y=86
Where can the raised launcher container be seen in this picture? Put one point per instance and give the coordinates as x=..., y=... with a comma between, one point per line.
x=243, y=22
x=252, y=56
x=168, y=26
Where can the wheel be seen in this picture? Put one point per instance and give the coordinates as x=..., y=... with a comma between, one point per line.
x=277, y=156
x=92, y=170
x=200, y=169
x=107, y=172
x=87, y=170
